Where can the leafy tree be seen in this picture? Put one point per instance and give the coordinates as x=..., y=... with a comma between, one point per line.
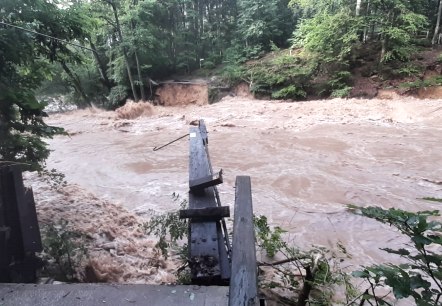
x=261, y=22
x=329, y=37
x=333, y=27
x=396, y=22
x=23, y=66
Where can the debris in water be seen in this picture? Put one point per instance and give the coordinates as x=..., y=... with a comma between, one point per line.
x=118, y=249
x=132, y=110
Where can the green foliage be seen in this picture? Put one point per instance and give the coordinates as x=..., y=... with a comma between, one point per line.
x=409, y=70
x=289, y=92
x=324, y=273
x=328, y=37
x=398, y=31
x=262, y=25
x=421, y=277
x=433, y=81
x=159, y=38
x=281, y=76
x=339, y=84
x=268, y=239
x=273, y=46
x=341, y=92
x=168, y=227
x=208, y=64
x=117, y=96
x=63, y=252
x=232, y=74
x=23, y=67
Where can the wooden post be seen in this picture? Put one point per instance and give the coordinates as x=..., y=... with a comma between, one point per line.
x=5, y=257
x=208, y=257
x=243, y=282
x=19, y=230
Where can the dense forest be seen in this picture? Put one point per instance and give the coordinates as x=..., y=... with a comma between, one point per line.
x=105, y=51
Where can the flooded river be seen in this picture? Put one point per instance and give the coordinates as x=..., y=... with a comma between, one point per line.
x=307, y=161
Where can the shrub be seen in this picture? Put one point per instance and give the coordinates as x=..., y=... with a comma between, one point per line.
x=421, y=277
x=288, y=92
x=342, y=92
x=168, y=227
x=63, y=252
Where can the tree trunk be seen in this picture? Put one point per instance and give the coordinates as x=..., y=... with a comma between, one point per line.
x=126, y=57
x=101, y=67
x=77, y=84
x=358, y=7
x=306, y=288
x=436, y=30
x=140, y=77
x=384, y=47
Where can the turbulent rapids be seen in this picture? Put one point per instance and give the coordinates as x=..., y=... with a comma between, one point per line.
x=307, y=160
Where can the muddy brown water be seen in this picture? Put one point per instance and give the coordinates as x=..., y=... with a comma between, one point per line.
x=307, y=161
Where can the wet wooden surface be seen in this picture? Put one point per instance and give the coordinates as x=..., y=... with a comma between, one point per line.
x=205, y=214
x=208, y=255
x=111, y=295
x=243, y=282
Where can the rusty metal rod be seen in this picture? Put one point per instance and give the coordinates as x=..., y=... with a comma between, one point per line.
x=169, y=143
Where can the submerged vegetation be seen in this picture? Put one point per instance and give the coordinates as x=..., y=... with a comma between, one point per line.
x=168, y=227
x=63, y=251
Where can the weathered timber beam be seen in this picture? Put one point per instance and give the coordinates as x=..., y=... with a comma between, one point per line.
x=4, y=258
x=203, y=132
x=27, y=214
x=207, y=256
x=12, y=193
x=29, y=223
x=205, y=214
x=243, y=282
x=20, y=231
x=206, y=182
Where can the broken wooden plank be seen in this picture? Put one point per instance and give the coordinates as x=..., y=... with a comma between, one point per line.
x=243, y=281
x=206, y=182
x=205, y=214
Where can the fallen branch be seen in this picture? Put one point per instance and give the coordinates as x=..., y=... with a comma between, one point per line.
x=305, y=292
x=280, y=262
x=308, y=282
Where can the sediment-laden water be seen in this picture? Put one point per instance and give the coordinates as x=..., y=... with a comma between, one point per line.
x=307, y=160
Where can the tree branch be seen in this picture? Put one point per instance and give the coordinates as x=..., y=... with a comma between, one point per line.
x=280, y=262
